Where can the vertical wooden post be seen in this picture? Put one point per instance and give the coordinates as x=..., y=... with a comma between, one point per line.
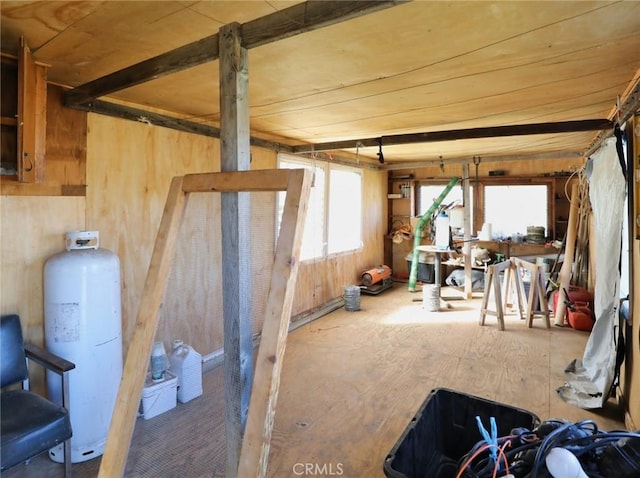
x=236, y=241
x=466, y=249
x=123, y=421
x=564, y=277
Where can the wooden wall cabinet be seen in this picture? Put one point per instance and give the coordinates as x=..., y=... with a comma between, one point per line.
x=24, y=117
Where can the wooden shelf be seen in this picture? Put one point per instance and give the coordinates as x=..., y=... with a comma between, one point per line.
x=8, y=121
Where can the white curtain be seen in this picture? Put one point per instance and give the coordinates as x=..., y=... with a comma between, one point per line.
x=588, y=380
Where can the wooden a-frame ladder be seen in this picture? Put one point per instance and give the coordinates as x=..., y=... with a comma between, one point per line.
x=264, y=393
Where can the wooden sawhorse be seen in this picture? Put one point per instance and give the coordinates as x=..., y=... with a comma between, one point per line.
x=513, y=268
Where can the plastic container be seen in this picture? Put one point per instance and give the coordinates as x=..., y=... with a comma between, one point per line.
x=576, y=294
x=444, y=429
x=158, y=397
x=426, y=266
x=442, y=231
x=159, y=362
x=426, y=272
x=186, y=364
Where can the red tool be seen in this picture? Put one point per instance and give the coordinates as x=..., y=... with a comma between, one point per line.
x=579, y=314
x=375, y=275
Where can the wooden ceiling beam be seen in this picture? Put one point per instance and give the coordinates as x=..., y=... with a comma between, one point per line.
x=425, y=163
x=453, y=135
x=297, y=19
x=173, y=61
x=157, y=119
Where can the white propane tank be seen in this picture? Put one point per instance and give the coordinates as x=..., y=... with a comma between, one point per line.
x=82, y=315
x=186, y=364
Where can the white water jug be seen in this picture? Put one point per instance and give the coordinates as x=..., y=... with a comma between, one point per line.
x=442, y=231
x=186, y=364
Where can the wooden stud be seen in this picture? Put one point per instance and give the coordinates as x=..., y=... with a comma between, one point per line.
x=257, y=436
x=236, y=181
x=128, y=400
x=237, y=307
x=564, y=277
x=466, y=251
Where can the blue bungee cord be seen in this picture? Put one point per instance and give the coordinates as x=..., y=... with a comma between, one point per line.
x=492, y=440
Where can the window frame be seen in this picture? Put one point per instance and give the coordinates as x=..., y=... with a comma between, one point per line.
x=327, y=167
x=479, y=196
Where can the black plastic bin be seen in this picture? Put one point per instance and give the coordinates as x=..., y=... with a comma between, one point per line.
x=444, y=430
x=426, y=272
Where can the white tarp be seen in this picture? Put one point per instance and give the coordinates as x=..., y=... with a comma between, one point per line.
x=588, y=380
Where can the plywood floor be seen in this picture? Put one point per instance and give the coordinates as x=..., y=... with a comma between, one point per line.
x=351, y=382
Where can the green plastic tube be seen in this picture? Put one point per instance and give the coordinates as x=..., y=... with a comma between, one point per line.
x=417, y=234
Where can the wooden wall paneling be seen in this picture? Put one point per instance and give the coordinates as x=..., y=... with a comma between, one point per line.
x=129, y=167
x=66, y=153
x=373, y=217
x=192, y=307
x=32, y=230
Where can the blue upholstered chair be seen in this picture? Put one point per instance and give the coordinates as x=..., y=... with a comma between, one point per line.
x=30, y=423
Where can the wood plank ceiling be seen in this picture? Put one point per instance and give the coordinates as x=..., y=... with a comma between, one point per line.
x=418, y=67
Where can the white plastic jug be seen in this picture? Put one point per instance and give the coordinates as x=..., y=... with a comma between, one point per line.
x=442, y=231
x=186, y=364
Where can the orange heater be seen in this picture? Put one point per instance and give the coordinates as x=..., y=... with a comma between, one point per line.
x=375, y=275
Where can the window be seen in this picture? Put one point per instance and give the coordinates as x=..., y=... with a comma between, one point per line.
x=429, y=192
x=510, y=209
x=334, y=216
